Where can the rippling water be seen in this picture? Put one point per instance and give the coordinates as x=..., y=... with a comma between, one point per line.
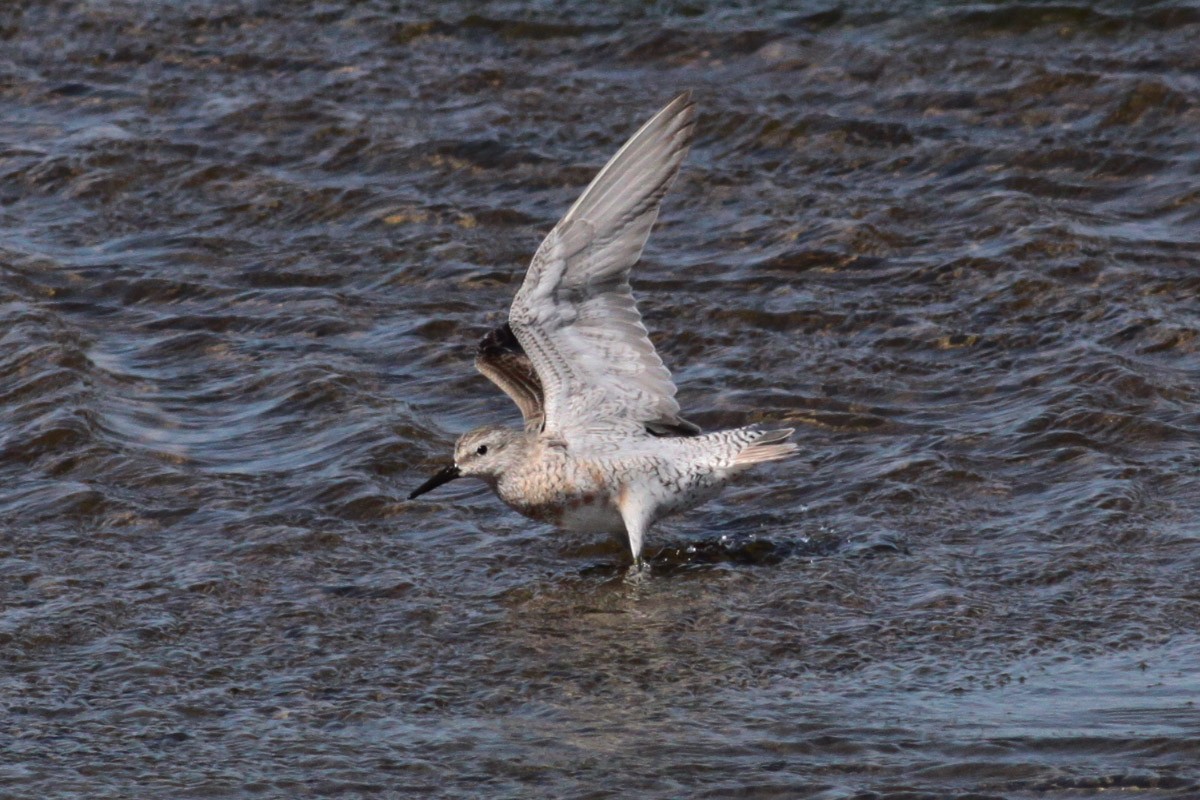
x=246, y=249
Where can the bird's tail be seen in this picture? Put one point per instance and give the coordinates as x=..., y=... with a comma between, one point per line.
x=769, y=446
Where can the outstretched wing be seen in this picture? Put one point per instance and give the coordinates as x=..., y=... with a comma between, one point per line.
x=502, y=361
x=575, y=316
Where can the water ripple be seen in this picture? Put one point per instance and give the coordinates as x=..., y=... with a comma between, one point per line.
x=247, y=250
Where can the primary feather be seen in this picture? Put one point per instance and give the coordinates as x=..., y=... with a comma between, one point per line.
x=575, y=315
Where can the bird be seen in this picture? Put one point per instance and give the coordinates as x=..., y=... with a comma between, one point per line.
x=603, y=448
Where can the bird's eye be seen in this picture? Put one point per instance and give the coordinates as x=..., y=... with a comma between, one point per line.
x=481, y=450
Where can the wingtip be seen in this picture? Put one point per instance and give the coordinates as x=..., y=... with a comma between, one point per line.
x=679, y=116
x=497, y=342
x=683, y=103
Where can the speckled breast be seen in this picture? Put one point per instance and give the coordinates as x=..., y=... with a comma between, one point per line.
x=571, y=495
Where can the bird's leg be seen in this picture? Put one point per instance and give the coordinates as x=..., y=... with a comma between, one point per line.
x=636, y=512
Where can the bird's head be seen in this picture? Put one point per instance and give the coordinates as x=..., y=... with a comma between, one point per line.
x=483, y=453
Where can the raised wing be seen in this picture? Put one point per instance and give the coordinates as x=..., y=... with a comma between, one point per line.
x=574, y=314
x=503, y=362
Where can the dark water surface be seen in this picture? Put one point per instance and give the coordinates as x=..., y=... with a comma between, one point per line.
x=246, y=249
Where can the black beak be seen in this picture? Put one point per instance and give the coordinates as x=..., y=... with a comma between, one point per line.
x=446, y=475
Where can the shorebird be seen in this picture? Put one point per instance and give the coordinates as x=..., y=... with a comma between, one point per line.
x=604, y=447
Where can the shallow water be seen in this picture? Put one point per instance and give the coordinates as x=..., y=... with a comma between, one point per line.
x=245, y=254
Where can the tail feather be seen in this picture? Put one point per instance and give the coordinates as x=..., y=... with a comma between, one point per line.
x=770, y=446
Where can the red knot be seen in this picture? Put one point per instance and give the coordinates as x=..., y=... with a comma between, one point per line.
x=604, y=447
